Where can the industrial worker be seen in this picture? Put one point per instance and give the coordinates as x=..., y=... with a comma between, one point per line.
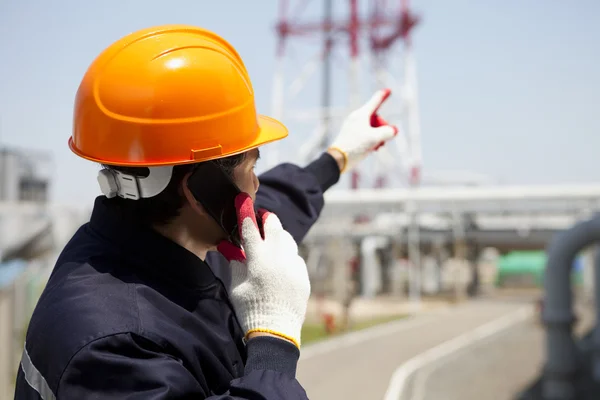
x=132, y=309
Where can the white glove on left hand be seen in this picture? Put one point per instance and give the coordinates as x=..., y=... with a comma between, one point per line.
x=363, y=132
x=270, y=285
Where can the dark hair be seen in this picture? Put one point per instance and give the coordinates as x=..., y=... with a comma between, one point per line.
x=164, y=207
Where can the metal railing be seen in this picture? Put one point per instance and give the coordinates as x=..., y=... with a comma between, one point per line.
x=18, y=296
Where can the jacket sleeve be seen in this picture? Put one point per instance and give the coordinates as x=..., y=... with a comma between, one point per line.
x=128, y=366
x=295, y=194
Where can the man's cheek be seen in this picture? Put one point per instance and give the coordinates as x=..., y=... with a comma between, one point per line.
x=247, y=185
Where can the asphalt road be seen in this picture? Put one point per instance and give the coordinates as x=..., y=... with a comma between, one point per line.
x=494, y=369
x=362, y=368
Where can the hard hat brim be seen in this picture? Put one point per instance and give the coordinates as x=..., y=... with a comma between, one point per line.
x=270, y=130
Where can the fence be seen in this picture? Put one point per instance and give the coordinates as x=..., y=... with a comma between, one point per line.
x=21, y=284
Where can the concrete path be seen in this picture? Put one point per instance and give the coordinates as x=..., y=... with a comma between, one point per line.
x=360, y=366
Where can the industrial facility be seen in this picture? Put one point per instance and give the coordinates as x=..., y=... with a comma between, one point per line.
x=446, y=250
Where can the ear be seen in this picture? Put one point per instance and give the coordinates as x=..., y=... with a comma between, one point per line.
x=194, y=204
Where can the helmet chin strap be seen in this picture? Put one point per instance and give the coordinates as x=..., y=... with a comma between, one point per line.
x=116, y=183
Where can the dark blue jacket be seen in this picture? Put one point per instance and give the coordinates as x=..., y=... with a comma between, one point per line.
x=129, y=314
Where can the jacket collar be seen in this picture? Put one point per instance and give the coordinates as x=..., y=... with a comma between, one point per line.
x=143, y=246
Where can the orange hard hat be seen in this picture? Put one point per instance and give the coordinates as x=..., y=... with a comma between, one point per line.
x=168, y=95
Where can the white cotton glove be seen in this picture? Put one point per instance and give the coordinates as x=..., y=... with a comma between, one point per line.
x=270, y=286
x=363, y=132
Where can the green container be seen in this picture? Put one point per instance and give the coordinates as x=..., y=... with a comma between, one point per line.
x=526, y=268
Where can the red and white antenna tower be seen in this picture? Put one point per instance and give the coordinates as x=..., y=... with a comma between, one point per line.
x=378, y=33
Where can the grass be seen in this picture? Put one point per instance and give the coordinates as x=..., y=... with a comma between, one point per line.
x=313, y=332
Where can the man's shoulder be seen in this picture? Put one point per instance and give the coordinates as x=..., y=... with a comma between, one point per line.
x=97, y=294
x=82, y=302
x=90, y=295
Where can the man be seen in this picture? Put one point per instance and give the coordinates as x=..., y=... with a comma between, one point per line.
x=131, y=309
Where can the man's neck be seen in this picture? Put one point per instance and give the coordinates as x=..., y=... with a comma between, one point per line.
x=185, y=239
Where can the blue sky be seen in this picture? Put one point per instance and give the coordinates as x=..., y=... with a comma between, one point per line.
x=507, y=88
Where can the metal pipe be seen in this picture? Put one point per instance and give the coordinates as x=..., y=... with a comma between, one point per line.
x=277, y=96
x=414, y=255
x=562, y=357
x=465, y=194
x=370, y=270
x=596, y=334
x=326, y=93
x=354, y=60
